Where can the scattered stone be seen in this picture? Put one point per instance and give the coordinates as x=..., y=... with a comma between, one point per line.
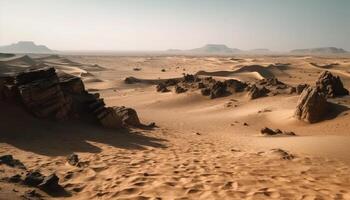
x=189, y=78
x=292, y=90
x=179, y=89
x=312, y=106
x=10, y=161
x=200, y=85
x=137, y=69
x=73, y=159
x=330, y=86
x=271, y=82
x=163, y=70
x=245, y=124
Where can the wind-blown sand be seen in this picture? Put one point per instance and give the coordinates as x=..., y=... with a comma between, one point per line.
x=201, y=148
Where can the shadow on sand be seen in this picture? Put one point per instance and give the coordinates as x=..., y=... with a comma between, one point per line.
x=51, y=138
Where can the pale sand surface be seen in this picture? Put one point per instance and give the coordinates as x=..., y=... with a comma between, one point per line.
x=201, y=149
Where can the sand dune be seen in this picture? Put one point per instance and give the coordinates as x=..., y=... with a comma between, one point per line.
x=202, y=149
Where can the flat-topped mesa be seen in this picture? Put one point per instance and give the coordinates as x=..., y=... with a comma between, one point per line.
x=330, y=85
x=312, y=106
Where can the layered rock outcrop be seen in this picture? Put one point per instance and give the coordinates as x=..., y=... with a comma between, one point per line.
x=330, y=85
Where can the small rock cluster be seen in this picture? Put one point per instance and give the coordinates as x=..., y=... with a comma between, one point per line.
x=49, y=184
x=48, y=94
x=271, y=132
x=216, y=88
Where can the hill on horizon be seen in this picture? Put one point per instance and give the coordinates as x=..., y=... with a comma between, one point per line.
x=25, y=47
x=321, y=50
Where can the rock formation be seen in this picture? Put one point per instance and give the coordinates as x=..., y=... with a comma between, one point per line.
x=47, y=94
x=330, y=85
x=256, y=92
x=312, y=106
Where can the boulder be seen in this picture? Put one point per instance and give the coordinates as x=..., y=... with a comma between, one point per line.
x=268, y=131
x=110, y=119
x=127, y=115
x=270, y=82
x=50, y=183
x=312, y=106
x=189, y=78
x=131, y=80
x=10, y=161
x=33, y=178
x=330, y=85
x=256, y=92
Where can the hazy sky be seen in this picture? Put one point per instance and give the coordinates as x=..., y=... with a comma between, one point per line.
x=181, y=24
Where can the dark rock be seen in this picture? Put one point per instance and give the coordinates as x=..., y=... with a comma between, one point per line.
x=50, y=183
x=171, y=82
x=33, y=178
x=330, y=85
x=73, y=159
x=110, y=119
x=205, y=91
x=267, y=131
x=200, y=85
x=300, y=88
x=312, y=106
x=218, y=89
x=131, y=80
x=161, y=87
x=179, y=89
x=15, y=178
x=10, y=161
x=234, y=85
x=137, y=69
x=127, y=115
x=189, y=78
x=256, y=92
x=163, y=70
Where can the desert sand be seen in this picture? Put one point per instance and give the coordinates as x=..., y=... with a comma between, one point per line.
x=201, y=148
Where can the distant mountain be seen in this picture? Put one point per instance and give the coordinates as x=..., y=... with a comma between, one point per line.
x=208, y=49
x=322, y=50
x=25, y=47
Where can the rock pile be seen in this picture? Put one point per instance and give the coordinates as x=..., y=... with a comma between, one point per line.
x=330, y=85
